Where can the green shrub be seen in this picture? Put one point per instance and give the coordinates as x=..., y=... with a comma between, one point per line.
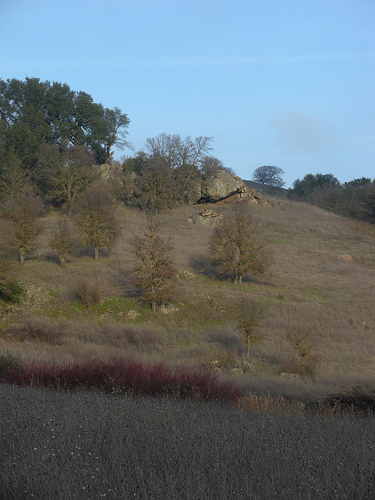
x=10, y=291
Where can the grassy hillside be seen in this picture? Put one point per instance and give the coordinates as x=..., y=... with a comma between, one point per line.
x=320, y=287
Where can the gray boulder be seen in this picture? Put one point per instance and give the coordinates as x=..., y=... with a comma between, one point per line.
x=221, y=185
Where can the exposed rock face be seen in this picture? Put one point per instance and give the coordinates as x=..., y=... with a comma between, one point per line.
x=206, y=218
x=225, y=188
x=220, y=185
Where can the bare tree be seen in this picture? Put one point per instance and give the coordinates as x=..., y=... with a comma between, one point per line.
x=249, y=315
x=154, y=272
x=62, y=241
x=269, y=175
x=13, y=177
x=23, y=210
x=238, y=247
x=95, y=215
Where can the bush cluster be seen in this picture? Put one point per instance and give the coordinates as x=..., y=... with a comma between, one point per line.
x=123, y=376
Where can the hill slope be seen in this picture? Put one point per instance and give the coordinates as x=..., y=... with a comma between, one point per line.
x=320, y=288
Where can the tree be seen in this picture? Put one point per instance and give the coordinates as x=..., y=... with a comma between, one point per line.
x=237, y=247
x=64, y=171
x=269, y=175
x=249, y=315
x=33, y=112
x=156, y=185
x=182, y=157
x=154, y=273
x=115, y=123
x=62, y=241
x=311, y=183
x=23, y=209
x=13, y=177
x=94, y=212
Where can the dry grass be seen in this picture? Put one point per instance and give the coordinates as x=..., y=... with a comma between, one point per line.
x=93, y=445
x=309, y=290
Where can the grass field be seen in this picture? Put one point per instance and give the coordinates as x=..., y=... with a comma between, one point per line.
x=319, y=288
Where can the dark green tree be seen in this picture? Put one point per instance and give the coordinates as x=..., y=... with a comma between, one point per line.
x=34, y=112
x=311, y=183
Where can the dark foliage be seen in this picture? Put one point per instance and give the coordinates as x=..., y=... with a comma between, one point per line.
x=33, y=112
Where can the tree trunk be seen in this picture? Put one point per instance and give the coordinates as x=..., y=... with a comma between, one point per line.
x=153, y=305
x=96, y=252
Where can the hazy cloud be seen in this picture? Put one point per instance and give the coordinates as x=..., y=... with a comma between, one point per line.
x=303, y=133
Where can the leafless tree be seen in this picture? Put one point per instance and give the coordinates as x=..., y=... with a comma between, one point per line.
x=23, y=210
x=154, y=272
x=95, y=215
x=62, y=241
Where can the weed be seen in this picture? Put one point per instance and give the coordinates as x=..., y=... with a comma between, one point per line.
x=269, y=404
x=87, y=293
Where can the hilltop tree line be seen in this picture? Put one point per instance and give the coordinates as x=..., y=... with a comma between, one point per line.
x=354, y=199
x=57, y=139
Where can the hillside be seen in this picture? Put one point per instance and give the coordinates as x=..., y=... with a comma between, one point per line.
x=268, y=190
x=320, y=287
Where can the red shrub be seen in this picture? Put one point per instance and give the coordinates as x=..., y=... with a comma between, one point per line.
x=126, y=376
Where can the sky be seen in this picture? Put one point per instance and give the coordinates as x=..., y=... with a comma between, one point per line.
x=288, y=83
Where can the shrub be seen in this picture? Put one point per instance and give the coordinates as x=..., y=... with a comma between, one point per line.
x=356, y=401
x=33, y=329
x=87, y=293
x=8, y=362
x=121, y=376
x=271, y=404
x=307, y=362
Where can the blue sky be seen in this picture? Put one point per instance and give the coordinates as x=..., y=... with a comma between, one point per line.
x=274, y=82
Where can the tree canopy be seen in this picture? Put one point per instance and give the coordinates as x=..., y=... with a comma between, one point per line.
x=269, y=175
x=33, y=112
x=311, y=183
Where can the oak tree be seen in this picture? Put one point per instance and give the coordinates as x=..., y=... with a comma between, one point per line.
x=23, y=210
x=62, y=241
x=154, y=272
x=238, y=247
x=269, y=175
x=95, y=215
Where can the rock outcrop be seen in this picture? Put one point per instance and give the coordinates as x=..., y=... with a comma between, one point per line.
x=206, y=218
x=225, y=188
x=220, y=185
